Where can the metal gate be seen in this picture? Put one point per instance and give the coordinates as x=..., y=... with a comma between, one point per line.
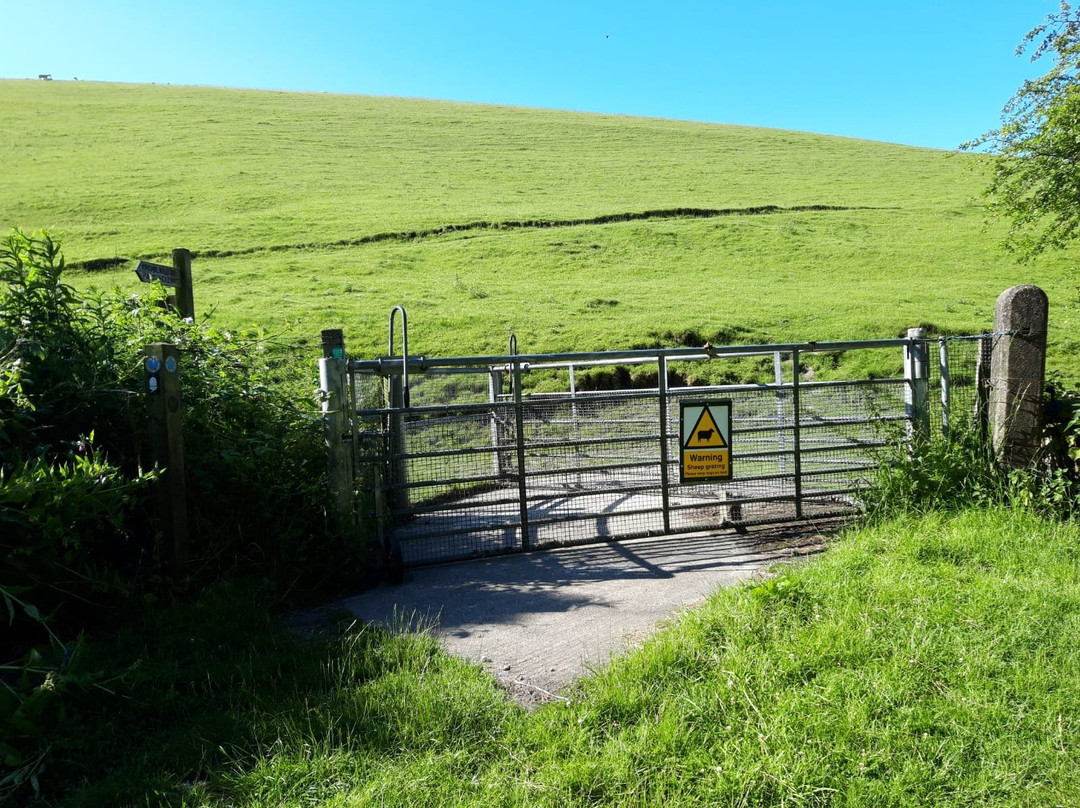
x=470, y=456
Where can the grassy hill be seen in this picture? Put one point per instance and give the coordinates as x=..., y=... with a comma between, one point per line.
x=574, y=231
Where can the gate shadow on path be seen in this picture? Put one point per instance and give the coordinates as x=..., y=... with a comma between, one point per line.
x=539, y=620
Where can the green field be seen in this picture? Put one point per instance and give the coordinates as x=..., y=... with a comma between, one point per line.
x=311, y=211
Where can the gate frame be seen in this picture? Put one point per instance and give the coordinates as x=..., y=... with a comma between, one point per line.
x=396, y=369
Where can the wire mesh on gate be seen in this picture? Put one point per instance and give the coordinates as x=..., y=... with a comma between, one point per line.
x=592, y=466
x=473, y=467
x=956, y=401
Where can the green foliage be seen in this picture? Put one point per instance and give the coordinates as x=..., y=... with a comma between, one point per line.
x=923, y=660
x=938, y=474
x=77, y=525
x=33, y=692
x=205, y=693
x=962, y=471
x=74, y=454
x=1034, y=183
x=62, y=497
x=65, y=524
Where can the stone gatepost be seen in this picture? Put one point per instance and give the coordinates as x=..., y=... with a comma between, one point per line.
x=1016, y=374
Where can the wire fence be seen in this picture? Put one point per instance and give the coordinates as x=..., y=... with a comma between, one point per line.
x=477, y=465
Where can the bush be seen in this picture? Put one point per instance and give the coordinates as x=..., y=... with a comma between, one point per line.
x=962, y=471
x=78, y=532
x=76, y=516
x=938, y=474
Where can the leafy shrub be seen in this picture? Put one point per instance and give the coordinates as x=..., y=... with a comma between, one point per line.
x=31, y=695
x=938, y=474
x=77, y=521
x=962, y=471
x=65, y=524
x=76, y=518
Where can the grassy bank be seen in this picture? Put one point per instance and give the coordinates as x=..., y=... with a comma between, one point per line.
x=920, y=661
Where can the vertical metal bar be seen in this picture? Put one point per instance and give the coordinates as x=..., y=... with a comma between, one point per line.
x=397, y=469
x=778, y=375
x=494, y=388
x=662, y=391
x=523, y=494
x=574, y=409
x=943, y=364
x=382, y=518
x=396, y=465
x=982, y=385
x=404, y=349
x=796, y=432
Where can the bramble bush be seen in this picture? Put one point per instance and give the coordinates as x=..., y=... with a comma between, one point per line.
x=78, y=536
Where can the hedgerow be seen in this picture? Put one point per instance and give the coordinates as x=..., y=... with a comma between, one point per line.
x=79, y=536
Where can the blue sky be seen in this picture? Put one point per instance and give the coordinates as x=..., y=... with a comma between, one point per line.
x=916, y=72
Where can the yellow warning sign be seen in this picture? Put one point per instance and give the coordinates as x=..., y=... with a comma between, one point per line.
x=705, y=445
x=705, y=433
x=706, y=465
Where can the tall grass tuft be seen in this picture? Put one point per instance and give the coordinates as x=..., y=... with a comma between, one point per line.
x=938, y=474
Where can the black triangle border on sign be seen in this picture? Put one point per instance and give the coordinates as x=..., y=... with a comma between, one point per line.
x=719, y=432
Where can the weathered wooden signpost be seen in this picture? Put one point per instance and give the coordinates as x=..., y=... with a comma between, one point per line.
x=166, y=413
x=178, y=277
x=166, y=432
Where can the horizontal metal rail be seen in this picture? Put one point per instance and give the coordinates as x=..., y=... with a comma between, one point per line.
x=508, y=471
x=390, y=365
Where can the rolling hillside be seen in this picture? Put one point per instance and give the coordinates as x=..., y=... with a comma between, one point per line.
x=574, y=231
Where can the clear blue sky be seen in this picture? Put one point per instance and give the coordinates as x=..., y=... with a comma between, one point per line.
x=921, y=72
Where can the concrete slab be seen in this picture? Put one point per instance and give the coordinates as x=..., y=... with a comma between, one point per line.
x=537, y=621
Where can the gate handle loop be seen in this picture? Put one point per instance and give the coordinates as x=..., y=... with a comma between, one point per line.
x=404, y=349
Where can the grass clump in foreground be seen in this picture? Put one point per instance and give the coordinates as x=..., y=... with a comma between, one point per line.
x=924, y=660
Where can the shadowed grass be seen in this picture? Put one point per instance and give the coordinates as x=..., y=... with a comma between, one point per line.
x=920, y=661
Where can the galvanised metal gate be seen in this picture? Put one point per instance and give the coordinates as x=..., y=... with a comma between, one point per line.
x=457, y=457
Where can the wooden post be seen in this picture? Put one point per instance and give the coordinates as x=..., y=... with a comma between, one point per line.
x=185, y=296
x=337, y=437
x=1016, y=374
x=166, y=430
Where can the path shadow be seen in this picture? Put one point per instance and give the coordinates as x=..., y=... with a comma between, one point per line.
x=501, y=590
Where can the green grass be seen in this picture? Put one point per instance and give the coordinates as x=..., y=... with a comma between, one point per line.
x=923, y=660
x=285, y=198
x=920, y=661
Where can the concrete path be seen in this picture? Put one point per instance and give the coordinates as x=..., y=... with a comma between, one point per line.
x=537, y=621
